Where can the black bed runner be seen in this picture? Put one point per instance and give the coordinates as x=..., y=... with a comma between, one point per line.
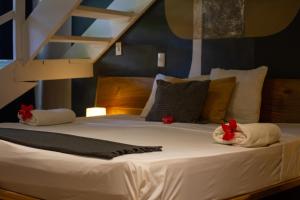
x=72, y=144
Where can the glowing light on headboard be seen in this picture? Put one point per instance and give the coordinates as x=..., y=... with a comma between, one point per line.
x=95, y=111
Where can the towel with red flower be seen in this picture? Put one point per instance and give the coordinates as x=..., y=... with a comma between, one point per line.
x=28, y=115
x=247, y=135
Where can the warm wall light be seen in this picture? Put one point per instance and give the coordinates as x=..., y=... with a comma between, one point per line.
x=95, y=111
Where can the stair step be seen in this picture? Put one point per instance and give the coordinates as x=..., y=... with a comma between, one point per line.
x=80, y=39
x=44, y=21
x=100, y=13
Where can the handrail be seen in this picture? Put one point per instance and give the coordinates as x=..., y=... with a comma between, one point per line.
x=7, y=17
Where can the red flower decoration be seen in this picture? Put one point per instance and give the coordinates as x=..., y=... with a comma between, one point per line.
x=168, y=119
x=229, y=130
x=25, y=112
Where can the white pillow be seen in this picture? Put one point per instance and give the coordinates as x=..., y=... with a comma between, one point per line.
x=246, y=99
x=171, y=79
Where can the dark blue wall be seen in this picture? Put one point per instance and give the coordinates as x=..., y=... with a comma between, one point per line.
x=280, y=52
x=6, y=40
x=227, y=53
x=6, y=50
x=150, y=35
x=142, y=43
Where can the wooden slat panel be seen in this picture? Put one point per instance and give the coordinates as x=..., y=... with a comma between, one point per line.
x=123, y=95
x=100, y=13
x=122, y=110
x=281, y=101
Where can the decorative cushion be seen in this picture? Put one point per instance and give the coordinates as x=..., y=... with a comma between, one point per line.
x=218, y=99
x=246, y=100
x=171, y=79
x=183, y=101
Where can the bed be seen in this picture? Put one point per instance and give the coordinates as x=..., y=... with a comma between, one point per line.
x=191, y=165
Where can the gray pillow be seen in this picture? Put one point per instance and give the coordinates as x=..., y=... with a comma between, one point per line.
x=183, y=101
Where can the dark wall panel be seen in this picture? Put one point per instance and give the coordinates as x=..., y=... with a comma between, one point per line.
x=280, y=52
x=150, y=35
x=6, y=50
x=130, y=64
x=227, y=53
x=6, y=39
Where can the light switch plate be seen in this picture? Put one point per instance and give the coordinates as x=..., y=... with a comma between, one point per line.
x=118, y=48
x=161, y=59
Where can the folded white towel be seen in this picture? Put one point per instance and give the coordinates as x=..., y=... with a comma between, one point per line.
x=49, y=117
x=251, y=135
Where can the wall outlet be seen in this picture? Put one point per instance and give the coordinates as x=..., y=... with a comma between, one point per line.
x=118, y=48
x=161, y=59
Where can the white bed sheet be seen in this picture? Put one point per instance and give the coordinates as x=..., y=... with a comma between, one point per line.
x=191, y=166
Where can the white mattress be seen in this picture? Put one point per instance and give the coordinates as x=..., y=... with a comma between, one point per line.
x=191, y=166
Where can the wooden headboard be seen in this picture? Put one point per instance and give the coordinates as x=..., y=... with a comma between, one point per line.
x=281, y=101
x=123, y=95
x=128, y=95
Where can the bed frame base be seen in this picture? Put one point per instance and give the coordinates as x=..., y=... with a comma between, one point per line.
x=259, y=194
x=268, y=191
x=8, y=195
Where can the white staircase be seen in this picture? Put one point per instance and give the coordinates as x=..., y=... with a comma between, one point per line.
x=41, y=27
x=10, y=88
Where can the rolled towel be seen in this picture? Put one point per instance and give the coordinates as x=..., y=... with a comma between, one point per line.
x=49, y=117
x=250, y=135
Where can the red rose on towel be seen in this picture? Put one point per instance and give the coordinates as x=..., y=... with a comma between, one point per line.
x=168, y=119
x=229, y=130
x=25, y=112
